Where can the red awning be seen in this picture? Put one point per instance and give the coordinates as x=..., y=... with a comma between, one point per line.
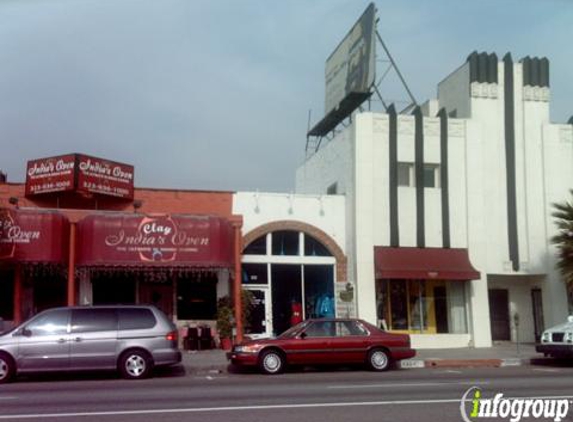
x=154, y=240
x=33, y=236
x=423, y=263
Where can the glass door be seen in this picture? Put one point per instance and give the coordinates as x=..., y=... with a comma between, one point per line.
x=259, y=321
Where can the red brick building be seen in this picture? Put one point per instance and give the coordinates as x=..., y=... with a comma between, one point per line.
x=77, y=242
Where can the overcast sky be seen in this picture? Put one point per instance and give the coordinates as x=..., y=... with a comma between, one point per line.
x=215, y=94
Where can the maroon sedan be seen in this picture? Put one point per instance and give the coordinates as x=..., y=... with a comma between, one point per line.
x=325, y=341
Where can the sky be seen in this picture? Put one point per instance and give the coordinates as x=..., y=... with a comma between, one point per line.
x=216, y=94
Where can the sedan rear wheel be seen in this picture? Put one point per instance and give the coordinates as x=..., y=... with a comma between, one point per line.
x=6, y=368
x=272, y=362
x=378, y=360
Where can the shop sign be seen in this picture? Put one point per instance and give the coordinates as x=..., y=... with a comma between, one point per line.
x=168, y=240
x=104, y=177
x=158, y=240
x=79, y=173
x=53, y=174
x=32, y=236
x=6, y=246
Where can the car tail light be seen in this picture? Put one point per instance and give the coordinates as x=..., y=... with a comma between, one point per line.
x=172, y=336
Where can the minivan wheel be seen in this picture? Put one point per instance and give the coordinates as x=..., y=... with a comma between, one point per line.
x=378, y=360
x=135, y=364
x=7, y=368
x=272, y=362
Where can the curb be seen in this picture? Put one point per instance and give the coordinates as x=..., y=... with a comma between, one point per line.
x=404, y=364
x=463, y=363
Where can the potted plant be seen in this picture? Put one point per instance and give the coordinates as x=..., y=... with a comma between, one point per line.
x=225, y=321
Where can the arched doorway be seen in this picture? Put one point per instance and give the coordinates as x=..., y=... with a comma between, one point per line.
x=292, y=272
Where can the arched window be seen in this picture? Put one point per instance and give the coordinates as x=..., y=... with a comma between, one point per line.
x=292, y=275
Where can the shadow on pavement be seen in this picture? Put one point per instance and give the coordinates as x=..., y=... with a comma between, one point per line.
x=553, y=362
x=236, y=369
x=161, y=372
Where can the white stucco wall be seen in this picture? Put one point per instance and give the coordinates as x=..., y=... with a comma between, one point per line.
x=325, y=212
x=358, y=158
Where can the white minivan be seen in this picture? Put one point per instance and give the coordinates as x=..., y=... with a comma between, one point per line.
x=557, y=341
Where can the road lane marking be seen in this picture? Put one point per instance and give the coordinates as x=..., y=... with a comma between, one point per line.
x=545, y=370
x=221, y=409
x=8, y=398
x=417, y=384
x=243, y=408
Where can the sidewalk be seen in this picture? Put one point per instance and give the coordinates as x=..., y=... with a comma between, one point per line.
x=500, y=355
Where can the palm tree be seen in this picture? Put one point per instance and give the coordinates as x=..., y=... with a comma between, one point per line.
x=563, y=240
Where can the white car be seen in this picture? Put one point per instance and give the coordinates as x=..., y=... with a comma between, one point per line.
x=557, y=341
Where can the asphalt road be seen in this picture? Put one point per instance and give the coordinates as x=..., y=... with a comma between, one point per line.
x=340, y=395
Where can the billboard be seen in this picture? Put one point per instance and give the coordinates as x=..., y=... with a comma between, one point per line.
x=79, y=173
x=351, y=68
x=96, y=175
x=52, y=174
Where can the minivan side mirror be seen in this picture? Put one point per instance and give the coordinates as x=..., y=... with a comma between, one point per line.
x=570, y=318
x=25, y=332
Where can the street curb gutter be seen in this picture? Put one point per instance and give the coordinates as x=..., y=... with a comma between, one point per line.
x=404, y=364
x=462, y=363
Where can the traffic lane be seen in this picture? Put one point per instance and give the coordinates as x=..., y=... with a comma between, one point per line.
x=341, y=412
x=200, y=385
x=256, y=390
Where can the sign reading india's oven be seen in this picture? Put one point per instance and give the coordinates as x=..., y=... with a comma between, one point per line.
x=7, y=246
x=131, y=239
x=53, y=174
x=105, y=177
x=79, y=173
x=33, y=236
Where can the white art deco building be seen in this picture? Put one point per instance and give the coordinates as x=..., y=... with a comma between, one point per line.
x=448, y=209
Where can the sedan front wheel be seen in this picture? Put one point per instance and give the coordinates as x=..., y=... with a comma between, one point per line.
x=7, y=368
x=272, y=362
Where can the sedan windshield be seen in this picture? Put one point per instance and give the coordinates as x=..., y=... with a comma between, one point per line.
x=293, y=331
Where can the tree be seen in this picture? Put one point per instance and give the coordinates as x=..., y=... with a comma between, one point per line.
x=563, y=240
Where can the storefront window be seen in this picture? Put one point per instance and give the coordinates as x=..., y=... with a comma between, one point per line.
x=398, y=305
x=49, y=291
x=285, y=243
x=313, y=247
x=257, y=247
x=418, y=306
x=422, y=306
x=197, y=297
x=255, y=274
x=111, y=289
x=319, y=291
x=6, y=295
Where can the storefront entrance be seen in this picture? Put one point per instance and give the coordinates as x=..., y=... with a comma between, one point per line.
x=499, y=314
x=292, y=276
x=259, y=323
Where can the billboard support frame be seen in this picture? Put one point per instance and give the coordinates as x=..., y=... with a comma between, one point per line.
x=327, y=127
